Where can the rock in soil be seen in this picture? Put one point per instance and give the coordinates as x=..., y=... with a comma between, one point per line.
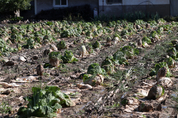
x=165, y=82
x=9, y=63
x=149, y=106
x=21, y=58
x=84, y=86
x=7, y=92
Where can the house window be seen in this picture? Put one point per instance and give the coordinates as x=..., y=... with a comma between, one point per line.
x=113, y=1
x=60, y=3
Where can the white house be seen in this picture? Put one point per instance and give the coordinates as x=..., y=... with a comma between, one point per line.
x=112, y=7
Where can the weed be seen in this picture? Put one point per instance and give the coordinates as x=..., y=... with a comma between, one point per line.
x=46, y=74
x=63, y=68
x=176, y=100
x=5, y=108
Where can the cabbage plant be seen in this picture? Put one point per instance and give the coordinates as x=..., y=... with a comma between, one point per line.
x=172, y=52
x=170, y=61
x=97, y=44
x=93, y=80
x=68, y=57
x=129, y=51
x=146, y=41
x=95, y=69
x=160, y=65
x=119, y=58
x=61, y=45
x=108, y=65
x=45, y=102
x=154, y=34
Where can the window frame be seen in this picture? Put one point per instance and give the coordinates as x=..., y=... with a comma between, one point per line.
x=54, y=4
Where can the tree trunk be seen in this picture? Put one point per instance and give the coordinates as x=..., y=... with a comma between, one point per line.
x=17, y=13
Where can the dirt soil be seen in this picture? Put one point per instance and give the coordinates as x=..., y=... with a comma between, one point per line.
x=100, y=101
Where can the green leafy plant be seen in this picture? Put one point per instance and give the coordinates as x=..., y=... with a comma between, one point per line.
x=172, y=52
x=160, y=30
x=87, y=77
x=17, y=18
x=170, y=62
x=129, y=51
x=146, y=41
x=119, y=58
x=90, y=48
x=108, y=65
x=47, y=39
x=61, y=45
x=55, y=55
x=49, y=23
x=4, y=108
x=124, y=32
x=4, y=47
x=95, y=69
x=160, y=65
x=30, y=43
x=92, y=79
x=97, y=44
x=154, y=34
x=68, y=57
x=45, y=102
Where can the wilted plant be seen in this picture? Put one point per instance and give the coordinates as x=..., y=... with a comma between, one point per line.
x=4, y=108
x=83, y=51
x=54, y=58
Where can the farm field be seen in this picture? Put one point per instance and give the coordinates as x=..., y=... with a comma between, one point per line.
x=89, y=69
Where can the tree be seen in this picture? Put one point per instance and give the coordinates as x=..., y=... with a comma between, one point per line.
x=15, y=6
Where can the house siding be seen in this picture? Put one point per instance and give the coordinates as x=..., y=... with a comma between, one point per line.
x=174, y=7
x=48, y=4
x=44, y=5
x=162, y=7
x=138, y=2
x=93, y=3
x=162, y=10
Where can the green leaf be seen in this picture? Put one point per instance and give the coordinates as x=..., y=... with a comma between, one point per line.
x=54, y=55
x=146, y=40
x=68, y=57
x=94, y=69
x=160, y=65
x=97, y=44
x=61, y=45
x=45, y=102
